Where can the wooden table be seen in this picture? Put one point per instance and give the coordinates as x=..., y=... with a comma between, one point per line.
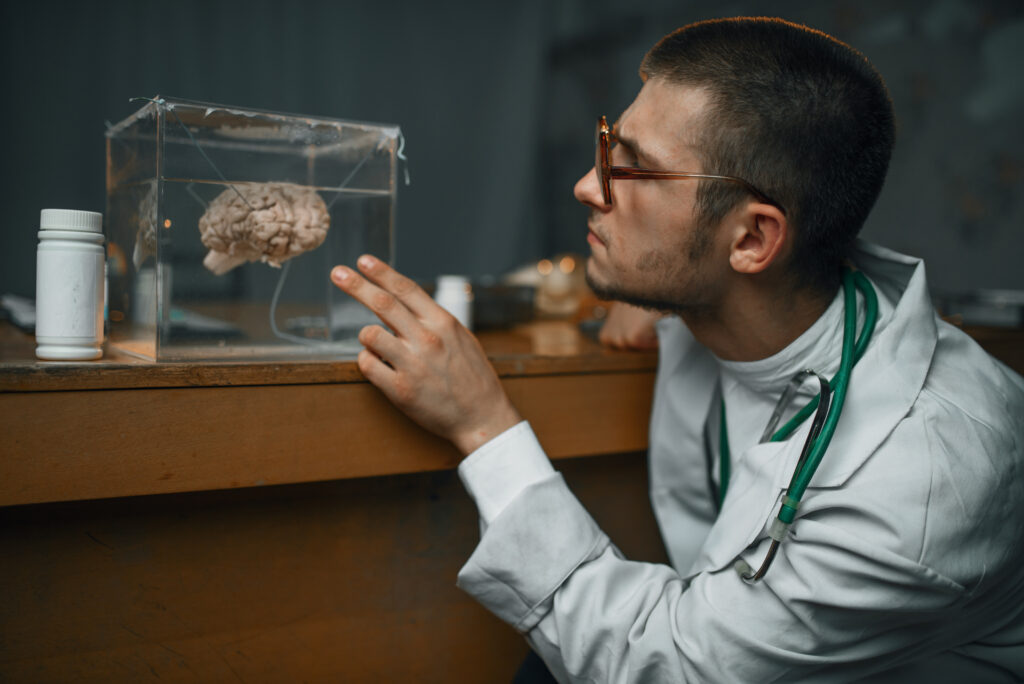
x=277, y=521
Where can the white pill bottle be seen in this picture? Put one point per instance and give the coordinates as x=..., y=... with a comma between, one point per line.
x=455, y=294
x=69, y=285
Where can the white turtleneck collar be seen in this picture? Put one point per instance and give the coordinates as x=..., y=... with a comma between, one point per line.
x=751, y=388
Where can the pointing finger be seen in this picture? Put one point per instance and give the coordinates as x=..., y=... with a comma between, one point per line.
x=403, y=288
x=387, y=307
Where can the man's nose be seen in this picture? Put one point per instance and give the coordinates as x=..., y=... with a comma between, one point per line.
x=588, y=191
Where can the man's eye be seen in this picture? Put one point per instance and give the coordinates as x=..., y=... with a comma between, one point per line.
x=623, y=156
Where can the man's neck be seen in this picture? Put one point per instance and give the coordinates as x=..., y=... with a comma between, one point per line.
x=754, y=322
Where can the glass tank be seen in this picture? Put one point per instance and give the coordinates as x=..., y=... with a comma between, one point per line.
x=223, y=224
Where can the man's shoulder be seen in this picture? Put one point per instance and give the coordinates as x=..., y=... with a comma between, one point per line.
x=966, y=385
x=967, y=422
x=949, y=471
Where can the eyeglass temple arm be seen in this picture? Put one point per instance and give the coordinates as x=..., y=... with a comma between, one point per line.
x=627, y=172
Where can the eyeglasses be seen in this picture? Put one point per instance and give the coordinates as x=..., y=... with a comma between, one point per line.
x=605, y=170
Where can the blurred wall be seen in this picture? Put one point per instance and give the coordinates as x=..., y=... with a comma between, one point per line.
x=460, y=77
x=497, y=102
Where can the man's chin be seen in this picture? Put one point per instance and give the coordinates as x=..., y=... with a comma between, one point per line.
x=611, y=293
x=602, y=290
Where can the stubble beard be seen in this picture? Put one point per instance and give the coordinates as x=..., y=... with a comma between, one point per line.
x=611, y=293
x=689, y=299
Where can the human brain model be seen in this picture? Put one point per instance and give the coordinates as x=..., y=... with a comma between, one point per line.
x=268, y=222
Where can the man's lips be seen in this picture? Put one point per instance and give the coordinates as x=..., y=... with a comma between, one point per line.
x=594, y=238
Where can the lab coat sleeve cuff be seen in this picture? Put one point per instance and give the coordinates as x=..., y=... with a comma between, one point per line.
x=529, y=550
x=501, y=469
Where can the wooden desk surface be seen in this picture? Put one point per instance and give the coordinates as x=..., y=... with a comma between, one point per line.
x=538, y=348
x=124, y=427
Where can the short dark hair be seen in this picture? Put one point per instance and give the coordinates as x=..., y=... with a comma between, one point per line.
x=802, y=116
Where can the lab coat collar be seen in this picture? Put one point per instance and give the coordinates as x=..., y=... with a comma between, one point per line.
x=884, y=385
x=887, y=380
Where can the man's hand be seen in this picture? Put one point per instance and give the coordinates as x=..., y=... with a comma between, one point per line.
x=428, y=365
x=629, y=327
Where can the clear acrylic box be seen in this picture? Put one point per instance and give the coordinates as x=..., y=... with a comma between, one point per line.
x=223, y=224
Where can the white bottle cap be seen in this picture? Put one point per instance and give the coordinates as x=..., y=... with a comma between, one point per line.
x=71, y=219
x=456, y=283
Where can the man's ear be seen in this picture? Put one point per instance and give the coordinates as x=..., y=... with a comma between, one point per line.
x=760, y=237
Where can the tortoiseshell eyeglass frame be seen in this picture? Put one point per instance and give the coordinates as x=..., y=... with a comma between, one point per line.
x=605, y=170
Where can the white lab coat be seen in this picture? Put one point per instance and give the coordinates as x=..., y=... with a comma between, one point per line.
x=905, y=562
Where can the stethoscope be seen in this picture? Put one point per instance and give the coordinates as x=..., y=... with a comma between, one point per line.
x=826, y=407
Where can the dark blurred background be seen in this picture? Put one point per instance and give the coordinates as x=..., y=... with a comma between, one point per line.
x=497, y=102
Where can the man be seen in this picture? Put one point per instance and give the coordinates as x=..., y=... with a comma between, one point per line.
x=729, y=194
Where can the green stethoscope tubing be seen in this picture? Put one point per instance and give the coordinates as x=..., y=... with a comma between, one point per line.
x=810, y=460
